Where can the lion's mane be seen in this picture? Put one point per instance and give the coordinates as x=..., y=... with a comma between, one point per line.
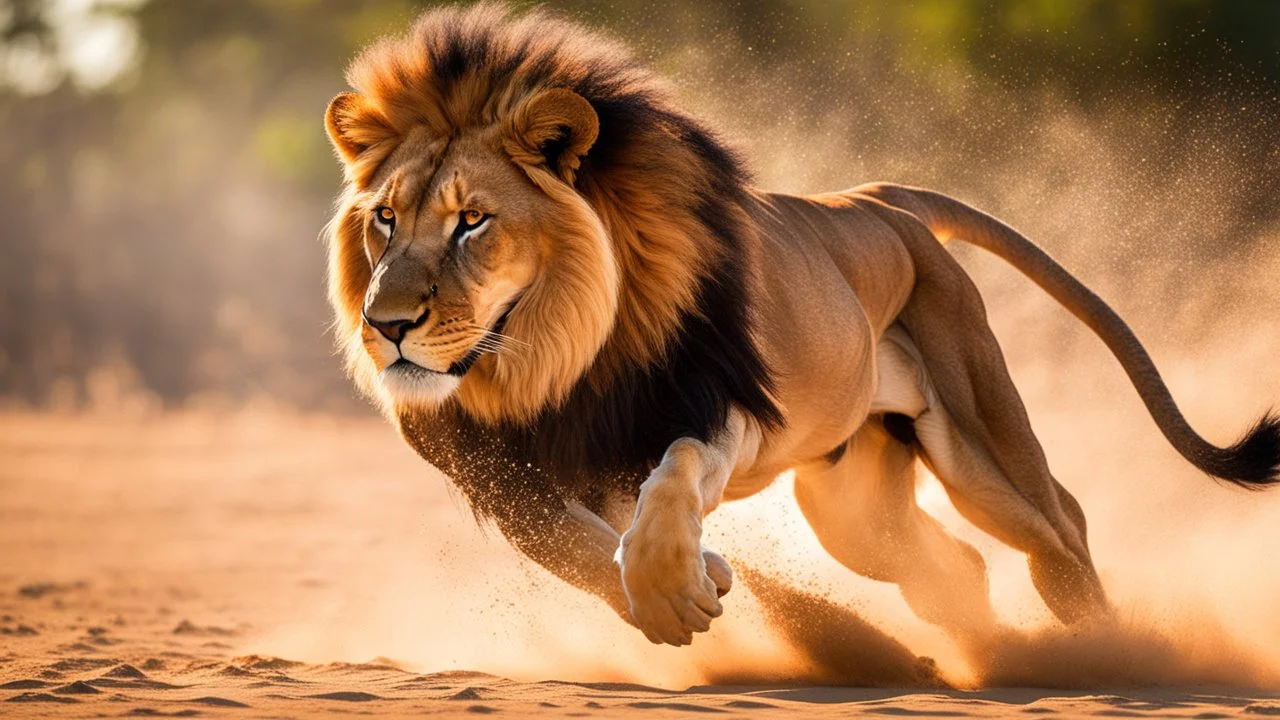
x=669, y=194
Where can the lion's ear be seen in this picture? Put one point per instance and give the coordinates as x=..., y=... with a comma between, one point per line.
x=554, y=128
x=354, y=125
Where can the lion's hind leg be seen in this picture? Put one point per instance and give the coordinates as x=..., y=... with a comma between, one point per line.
x=1053, y=540
x=860, y=502
x=977, y=439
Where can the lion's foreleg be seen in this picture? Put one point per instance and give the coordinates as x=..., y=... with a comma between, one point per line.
x=670, y=584
x=571, y=542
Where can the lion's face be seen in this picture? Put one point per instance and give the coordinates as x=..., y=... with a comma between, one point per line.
x=453, y=243
x=466, y=263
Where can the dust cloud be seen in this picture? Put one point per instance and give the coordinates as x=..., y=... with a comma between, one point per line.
x=1168, y=232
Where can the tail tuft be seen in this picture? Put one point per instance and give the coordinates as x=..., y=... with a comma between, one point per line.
x=1254, y=461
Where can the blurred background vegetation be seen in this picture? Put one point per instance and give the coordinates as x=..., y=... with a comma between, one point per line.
x=166, y=175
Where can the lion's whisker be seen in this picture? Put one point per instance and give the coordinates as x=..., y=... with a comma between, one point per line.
x=490, y=344
x=506, y=340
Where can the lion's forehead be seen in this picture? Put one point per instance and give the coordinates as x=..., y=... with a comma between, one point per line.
x=413, y=162
x=445, y=175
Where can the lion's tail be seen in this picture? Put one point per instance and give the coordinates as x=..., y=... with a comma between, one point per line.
x=1252, y=462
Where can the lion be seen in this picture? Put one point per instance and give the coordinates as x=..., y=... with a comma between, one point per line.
x=568, y=297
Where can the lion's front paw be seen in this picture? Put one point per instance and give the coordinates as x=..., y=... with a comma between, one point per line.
x=666, y=582
x=719, y=571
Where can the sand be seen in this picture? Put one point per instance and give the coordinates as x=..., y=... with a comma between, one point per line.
x=266, y=564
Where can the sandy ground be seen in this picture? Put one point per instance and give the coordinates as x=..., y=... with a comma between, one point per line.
x=269, y=565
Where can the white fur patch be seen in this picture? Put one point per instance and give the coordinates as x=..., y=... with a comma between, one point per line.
x=409, y=386
x=901, y=385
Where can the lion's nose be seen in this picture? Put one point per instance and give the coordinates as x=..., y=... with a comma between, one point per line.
x=395, y=330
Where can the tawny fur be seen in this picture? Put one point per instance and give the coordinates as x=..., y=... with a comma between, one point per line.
x=638, y=325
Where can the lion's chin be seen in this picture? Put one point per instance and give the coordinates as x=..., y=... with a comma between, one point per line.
x=412, y=386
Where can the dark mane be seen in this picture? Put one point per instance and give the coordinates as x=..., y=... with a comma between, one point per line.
x=672, y=197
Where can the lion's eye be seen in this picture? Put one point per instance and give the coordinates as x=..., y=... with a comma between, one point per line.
x=472, y=218
x=385, y=215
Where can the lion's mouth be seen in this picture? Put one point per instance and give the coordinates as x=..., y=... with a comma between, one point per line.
x=463, y=364
x=410, y=368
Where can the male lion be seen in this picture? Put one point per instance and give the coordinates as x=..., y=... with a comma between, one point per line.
x=568, y=297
